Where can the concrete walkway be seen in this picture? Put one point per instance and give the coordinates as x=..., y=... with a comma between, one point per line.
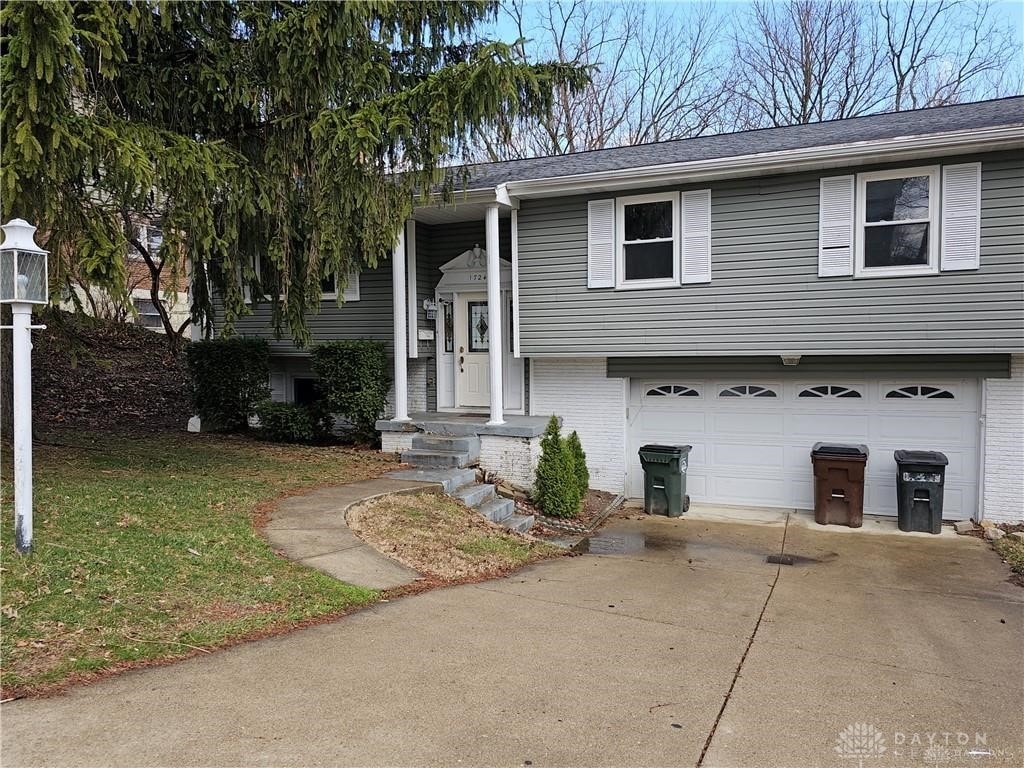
x=312, y=530
x=691, y=650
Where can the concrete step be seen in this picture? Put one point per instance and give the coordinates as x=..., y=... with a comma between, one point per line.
x=450, y=479
x=497, y=510
x=449, y=443
x=454, y=427
x=474, y=495
x=518, y=523
x=437, y=459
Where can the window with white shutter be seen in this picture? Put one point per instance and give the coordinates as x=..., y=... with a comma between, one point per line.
x=961, y=217
x=835, y=227
x=601, y=244
x=329, y=287
x=696, y=244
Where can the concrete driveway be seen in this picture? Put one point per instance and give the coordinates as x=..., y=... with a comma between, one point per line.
x=877, y=650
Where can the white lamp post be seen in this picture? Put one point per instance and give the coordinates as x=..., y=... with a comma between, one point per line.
x=23, y=282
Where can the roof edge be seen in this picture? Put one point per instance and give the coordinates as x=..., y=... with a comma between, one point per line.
x=737, y=166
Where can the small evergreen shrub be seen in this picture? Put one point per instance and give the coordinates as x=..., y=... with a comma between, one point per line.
x=353, y=377
x=579, y=463
x=228, y=377
x=557, y=485
x=292, y=423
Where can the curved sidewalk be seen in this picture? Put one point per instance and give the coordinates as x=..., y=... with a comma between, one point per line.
x=312, y=530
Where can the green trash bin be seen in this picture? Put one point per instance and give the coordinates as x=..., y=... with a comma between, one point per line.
x=665, y=479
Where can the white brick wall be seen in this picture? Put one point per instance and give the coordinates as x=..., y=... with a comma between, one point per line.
x=416, y=376
x=513, y=459
x=1004, y=445
x=590, y=403
x=396, y=442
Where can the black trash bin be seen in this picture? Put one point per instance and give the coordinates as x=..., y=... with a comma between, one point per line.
x=920, y=480
x=665, y=479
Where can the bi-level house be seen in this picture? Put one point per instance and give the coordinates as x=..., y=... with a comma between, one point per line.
x=748, y=294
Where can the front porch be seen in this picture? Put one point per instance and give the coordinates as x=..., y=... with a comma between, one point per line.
x=454, y=305
x=508, y=450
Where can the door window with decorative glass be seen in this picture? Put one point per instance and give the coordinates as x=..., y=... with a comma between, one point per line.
x=897, y=222
x=479, y=325
x=647, y=235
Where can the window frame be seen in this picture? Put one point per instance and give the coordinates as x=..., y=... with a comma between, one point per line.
x=136, y=301
x=328, y=295
x=620, y=252
x=934, y=224
x=353, y=282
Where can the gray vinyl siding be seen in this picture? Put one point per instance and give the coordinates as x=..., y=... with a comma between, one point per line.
x=921, y=366
x=371, y=317
x=765, y=295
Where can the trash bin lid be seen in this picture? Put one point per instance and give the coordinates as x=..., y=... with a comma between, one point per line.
x=933, y=458
x=672, y=450
x=839, y=449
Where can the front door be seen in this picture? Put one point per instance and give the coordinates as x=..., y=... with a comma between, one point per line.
x=472, y=342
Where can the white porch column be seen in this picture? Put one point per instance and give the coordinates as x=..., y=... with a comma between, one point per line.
x=494, y=315
x=401, y=346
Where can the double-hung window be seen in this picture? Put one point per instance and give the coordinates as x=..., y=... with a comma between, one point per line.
x=647, y=237
x=897, y=229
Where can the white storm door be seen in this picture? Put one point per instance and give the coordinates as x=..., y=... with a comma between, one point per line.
x=472, y=345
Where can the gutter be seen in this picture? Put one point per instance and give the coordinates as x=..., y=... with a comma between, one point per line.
x=837, y=155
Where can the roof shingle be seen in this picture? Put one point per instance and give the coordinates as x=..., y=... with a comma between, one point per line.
x=958, y=117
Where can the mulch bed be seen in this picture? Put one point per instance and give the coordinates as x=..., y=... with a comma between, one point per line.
x=595, y=503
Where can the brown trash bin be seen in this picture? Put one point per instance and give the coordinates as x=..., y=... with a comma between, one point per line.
x=839, y=483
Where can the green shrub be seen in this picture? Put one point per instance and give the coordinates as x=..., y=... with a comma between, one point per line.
x=578, y=460
x=354, y=381
x=292, y=423
x=229, y=377
x=557, y=486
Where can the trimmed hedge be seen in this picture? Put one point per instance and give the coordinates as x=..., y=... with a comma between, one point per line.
x=354, y=381
x=292, y=423
x=562, y=479
x=229, y=377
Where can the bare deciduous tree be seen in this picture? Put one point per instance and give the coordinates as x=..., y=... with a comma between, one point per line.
x=804, y=61
x=655, y=75
x=944, y=52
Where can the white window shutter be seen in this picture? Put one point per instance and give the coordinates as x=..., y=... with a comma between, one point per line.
x=835, y=227
x=961, y=216
x=351, y=292
x=278, y=392
x=696, y=236
x=601, y=244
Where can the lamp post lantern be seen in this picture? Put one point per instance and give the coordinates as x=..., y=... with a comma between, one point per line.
x=23, y=282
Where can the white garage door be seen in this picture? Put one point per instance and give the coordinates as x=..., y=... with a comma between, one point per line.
x=752, y=439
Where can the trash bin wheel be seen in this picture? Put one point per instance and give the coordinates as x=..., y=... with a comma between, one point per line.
x=686, y=503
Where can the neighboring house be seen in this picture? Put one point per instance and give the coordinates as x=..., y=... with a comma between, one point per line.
x=98, y=302
x=748, y=294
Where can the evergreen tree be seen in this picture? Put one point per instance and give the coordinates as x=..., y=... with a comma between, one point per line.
x=579, y=464
x=296, y=131
x=557, y=484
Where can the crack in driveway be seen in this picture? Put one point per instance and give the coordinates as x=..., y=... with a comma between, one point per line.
x=746, y=651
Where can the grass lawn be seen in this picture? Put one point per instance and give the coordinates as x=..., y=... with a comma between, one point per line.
x=145, y=550
x=442, y=538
